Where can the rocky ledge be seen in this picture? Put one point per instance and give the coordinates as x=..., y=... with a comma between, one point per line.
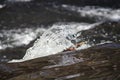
x=96, y=63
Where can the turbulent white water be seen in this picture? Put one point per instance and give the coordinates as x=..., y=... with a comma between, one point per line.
x=93, y=11
x=63, y=35
x=55, y=40
x=2, y=6
x=18, y=37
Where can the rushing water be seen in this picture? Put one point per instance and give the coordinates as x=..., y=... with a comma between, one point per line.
x=18, y=37
x=56, y=39
x=94, y=11
x=57, y=26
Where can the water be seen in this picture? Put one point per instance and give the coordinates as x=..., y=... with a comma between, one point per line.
x=56, y=39
x=100, y=13
x=62, y=25
x=18, y=37
x=19, y=0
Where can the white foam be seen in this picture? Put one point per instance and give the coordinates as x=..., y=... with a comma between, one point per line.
x=2, y=6
x=55, y=40
x=92, y=11
x=18, y=37
x=84, y=46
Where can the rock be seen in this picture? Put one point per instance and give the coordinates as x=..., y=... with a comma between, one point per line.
x=107, y=31
x=96, y=63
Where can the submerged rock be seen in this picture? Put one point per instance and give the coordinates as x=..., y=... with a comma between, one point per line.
x=96, y=63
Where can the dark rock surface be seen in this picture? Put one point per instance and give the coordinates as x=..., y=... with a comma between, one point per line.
x=96, y=63
x=107, y=31
x=103, y=3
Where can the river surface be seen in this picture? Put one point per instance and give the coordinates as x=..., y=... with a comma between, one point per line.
x=55, y=26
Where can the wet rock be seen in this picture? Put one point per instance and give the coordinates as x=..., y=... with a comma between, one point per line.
x=106, y=32
x=96, y=63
